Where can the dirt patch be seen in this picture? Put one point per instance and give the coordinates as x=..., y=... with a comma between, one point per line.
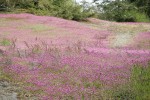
x=121, y=40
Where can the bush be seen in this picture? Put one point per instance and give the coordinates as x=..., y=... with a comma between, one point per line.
x=60, y=8
x=135, y=16
x=122, y=11
x=38, y=12
x=127, y=16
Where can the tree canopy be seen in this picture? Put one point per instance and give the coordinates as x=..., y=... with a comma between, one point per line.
x=115, y=10
x=125, y=10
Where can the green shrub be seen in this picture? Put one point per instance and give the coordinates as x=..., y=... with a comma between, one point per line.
x=67, y=9
x=135, y=16
x=127, y=16
x=122, y=11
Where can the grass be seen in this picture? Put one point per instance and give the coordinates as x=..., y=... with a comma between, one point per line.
x=16, y=86
x=126, y=28
x=4, y=76
x=38, y=27
x=141, y=82
x=5, y=42
x=47, y=64
x=139, y=86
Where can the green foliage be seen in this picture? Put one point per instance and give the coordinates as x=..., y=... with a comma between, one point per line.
x=16, y=3
x=138, y=16
x=116, y=11
x=77, y=14
x=67, y=9
x=143, y=5
x=124, y=94
x=139, y=86
x=5, y=42
x=141, y=82
x=122, y=11
x=38, y=11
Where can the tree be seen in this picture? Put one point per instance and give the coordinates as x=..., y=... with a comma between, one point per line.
x=121, y=10
x=143, y=5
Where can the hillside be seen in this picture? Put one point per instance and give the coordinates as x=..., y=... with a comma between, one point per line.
x=59, y=59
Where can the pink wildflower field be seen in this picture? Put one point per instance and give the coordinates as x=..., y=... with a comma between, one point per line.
x=58, y=59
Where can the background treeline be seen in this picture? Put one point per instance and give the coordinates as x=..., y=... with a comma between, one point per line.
x=114, y=10
x=67, y=9
x=125, y=10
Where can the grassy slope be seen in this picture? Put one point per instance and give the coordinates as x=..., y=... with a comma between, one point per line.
x=95, y=36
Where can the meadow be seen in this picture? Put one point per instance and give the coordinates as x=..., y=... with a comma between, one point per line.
x=51, y=58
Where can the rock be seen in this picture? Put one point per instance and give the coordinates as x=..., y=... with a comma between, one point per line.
x=4, y=84
x=8, y=96
x=5, y=94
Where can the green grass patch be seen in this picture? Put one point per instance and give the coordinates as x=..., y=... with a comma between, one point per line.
x=141, y=82
x=5, y=42
x=37, y=27
x=139, y=86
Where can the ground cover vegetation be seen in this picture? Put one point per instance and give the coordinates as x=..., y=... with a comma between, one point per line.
x=44, y=57
x=49, y=58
